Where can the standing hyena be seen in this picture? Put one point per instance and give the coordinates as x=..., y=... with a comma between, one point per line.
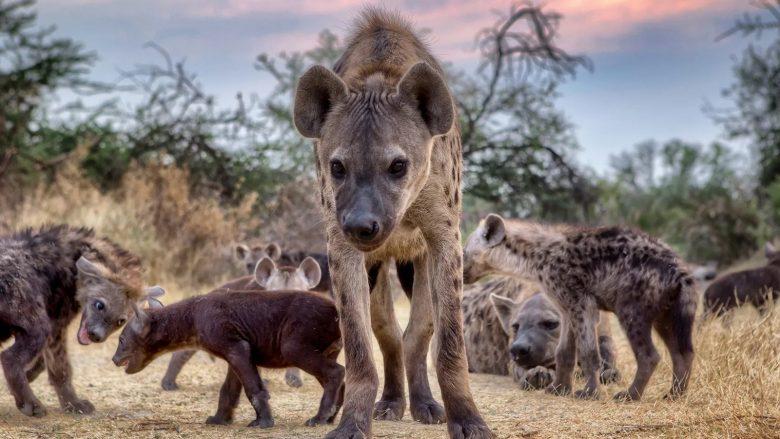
x=46, y=277
x=623, y=271
x=388, y=159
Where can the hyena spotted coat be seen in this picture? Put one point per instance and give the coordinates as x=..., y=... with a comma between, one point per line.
x=583, y=270
x=388, y=159
x=46, y=277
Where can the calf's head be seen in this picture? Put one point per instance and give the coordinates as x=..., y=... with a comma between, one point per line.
x=272, y=278
x=248, y=256
x=373, y=144
x=136, y=347
x=482, y=254
x=533, y=328
x=106, y=298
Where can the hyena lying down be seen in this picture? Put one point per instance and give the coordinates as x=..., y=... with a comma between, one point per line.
x=246, y=329
x=266, y=277
x=583, y=270
x=46, y=277
x=512, y=329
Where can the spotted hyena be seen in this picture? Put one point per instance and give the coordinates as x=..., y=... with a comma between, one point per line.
x=250, y=254
x=388, y=159
x=513, y=329
x=267, y=277
x=583, y=270
x=47, y=277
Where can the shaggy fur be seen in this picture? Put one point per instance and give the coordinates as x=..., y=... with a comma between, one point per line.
x=46, y=277
x=614, y=269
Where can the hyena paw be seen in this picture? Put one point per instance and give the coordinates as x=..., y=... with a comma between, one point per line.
x=80, y=406
x=347, y=430
x=537, y=378
x=609, y=375
x=427, y=411
x=469, y=428
x=262, y=423
x=389, y=409
x=558, y=389
x=626, y=396
x=32, y=407
x=293, y=378
x=218, y=420
x=169, y=385
x=587, y=393
x=315, y=421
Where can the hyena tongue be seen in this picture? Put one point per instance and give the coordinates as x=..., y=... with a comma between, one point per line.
x=82, y=335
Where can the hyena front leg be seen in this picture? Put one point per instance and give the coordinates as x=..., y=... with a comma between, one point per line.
x=585, y=318
x=446, y=274
x=609, y=372
x=178, y=360
x=350, y=284
x=392, y=404
x=417, y=338
x=60, y=372
x=565, y=357
x=35, y=370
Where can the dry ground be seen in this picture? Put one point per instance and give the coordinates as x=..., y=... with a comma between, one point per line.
x=735, y=393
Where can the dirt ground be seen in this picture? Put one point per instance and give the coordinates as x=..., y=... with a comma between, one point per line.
x=724, y=402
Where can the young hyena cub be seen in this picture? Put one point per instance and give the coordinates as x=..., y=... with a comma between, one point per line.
x=267, y=277
x=46, y=277
x=583, y=270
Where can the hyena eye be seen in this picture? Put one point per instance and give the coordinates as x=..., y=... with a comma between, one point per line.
x=549, y=324
x=398, y=168
x=516, y=327
x=120, y=322
x=337, y=169
x=99, y=305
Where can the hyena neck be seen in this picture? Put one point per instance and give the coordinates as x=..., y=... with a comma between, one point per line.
x=526, y=251
x=172, y=328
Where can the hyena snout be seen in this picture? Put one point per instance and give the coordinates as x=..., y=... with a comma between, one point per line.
x=520, y=352
x=361, y=226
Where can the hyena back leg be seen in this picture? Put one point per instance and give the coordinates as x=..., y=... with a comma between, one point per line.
x=228, y=399
x=417, y=339
x=28, y=345
x=446, y=274
x=350, y=285
x=609, y=372
x=178, y=360
x=239, y=358
x=584, y=319
x=392, y=403
x=638, y=327
x=35, y=370
x=565, y=358
x=675, y=330
x=292, y=376
x=60, y=372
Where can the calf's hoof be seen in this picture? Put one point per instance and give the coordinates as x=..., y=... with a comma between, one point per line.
x=558, y=389
x=169, y=385
x=626, y=396
x=469, y=428
x=347, y=430
x=389, y=409
x=427, y=411
x=293, y=379
x=587, y=394
x=33, y=408
x=79, y=406
x=217, y=420
x=262, y=423
x=609, y=375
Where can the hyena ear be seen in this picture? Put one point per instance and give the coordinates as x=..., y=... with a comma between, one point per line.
x=319, y=89
x=769, y=250
x=263, y=271
x=139, y=323
x=311, y=271
x=504, y=307
x=152, y=294
x=241, y=251
x=87, y=268
x=273, y=251
x=426, y=91
x=495, y=230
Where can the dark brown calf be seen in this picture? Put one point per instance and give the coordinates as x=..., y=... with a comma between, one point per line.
x=275, y=329
x=759, y=287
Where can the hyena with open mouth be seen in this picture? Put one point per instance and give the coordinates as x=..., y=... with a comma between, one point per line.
x=46, y=277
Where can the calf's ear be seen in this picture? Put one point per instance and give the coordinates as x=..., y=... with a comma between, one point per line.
x=263, y=270
x=494, y=230
x=504, y=308
x=425, y=89
x=318, y=91
x=310, y=270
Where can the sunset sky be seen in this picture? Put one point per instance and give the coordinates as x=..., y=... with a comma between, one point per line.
x=656, y=61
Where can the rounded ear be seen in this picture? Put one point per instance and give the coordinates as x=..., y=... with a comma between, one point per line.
x=263, y=271
x=273, y=251
x=426, y=90
x=154, y=303
x=311, y=271
x=495, y=230
x=318, y=91
x=141, y=318
x=769, y=250
x=85, y=267
x=241, y=251
x=504, y=307
x=154, y=292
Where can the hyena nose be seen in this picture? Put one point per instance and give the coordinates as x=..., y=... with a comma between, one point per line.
x=360, y=226
x=519, y=351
